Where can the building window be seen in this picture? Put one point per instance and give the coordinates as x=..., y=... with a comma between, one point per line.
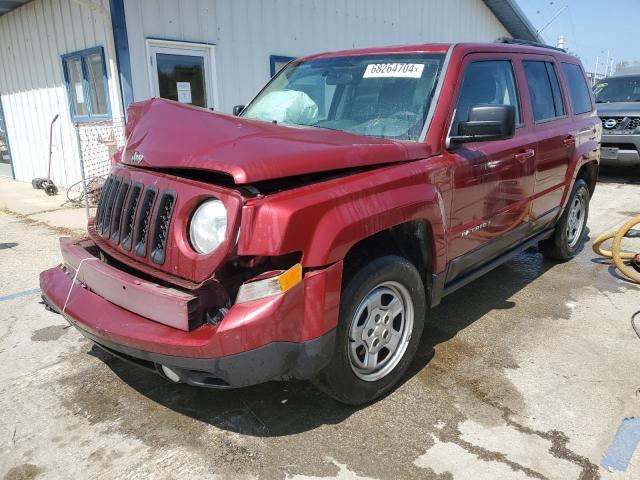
x=276, y=62
x=85, y=76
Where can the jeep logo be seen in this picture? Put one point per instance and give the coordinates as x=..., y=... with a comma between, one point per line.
x=137, y=157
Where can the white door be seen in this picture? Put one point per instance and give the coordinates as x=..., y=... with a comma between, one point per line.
x=183, y=72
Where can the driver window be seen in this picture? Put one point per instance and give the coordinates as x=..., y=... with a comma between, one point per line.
x=487, y=82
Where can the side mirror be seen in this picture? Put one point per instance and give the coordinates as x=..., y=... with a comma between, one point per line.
x=237, y=110
x=487, y=122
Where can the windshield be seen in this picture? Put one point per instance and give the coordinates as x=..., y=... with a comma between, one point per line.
x=376, y=95
x=618, y=89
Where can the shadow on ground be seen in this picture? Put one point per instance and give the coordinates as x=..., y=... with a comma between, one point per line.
x=257, y=410
x=617, y=175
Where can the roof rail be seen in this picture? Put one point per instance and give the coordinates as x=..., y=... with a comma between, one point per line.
x=517, y=41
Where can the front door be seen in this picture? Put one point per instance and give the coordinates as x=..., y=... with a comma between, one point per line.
x=493, y=180
x=5, y=153
x=182, y=72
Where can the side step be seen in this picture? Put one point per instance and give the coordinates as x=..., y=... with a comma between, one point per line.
x=439, y=289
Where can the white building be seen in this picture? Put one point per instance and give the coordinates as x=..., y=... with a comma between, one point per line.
x=86, y=60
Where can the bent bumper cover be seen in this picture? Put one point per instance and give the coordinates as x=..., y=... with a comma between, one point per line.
x=282, y=337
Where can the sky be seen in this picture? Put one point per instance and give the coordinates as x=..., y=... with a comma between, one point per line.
x=590, y=27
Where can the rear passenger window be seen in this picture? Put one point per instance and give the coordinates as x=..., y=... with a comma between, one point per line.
x=544, y=90
x=486, y=82
x=578, y=90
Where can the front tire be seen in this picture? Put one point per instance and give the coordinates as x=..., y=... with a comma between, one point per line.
x=382, y=312
x=568, y=235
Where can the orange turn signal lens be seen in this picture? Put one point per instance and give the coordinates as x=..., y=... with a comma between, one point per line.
x=268, y=287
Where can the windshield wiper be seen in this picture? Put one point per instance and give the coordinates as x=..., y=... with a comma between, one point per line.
x=315, y=125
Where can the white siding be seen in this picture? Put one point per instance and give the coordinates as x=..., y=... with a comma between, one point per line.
x=247, y=32
x=32, y=39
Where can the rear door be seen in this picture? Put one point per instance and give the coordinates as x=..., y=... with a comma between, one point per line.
x=554, y=133
x=493, y=180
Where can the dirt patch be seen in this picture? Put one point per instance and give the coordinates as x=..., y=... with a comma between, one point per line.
x=49, y=334
x=26, y=471
x=25, y=219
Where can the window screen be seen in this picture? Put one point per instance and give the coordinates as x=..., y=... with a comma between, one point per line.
x=578, y=90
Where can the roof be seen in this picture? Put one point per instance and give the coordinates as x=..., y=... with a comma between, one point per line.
x=8, y=5
x=506, y=11
x=513, y=19
x=442, y=48
x=418, y=48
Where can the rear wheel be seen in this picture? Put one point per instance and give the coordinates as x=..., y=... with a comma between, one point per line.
x=569, y=232
x=381, y=319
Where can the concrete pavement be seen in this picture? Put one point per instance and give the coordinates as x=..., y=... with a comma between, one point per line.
x=525, y=373
x=36, y=207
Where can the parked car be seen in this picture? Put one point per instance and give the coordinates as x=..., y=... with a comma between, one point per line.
x=618, y=104
x=307, y=237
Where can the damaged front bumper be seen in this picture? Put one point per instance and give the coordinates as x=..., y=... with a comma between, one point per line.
x=277, y=338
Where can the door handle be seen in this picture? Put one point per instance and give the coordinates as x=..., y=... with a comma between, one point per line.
x=568, y=141
x=522, y=156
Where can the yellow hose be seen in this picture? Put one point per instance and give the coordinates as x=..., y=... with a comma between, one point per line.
x=615, y=253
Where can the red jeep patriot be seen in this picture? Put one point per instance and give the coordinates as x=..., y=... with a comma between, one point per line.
x=306, y=237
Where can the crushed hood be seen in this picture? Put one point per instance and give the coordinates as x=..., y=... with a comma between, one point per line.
x=166, y=134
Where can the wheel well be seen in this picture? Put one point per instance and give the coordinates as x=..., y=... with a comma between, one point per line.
x=589, y=173
x=411, y=240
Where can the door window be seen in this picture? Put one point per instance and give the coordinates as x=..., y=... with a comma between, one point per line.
x=578, y=90
x=181, y=78
x=485, y=82
x=182, y=72
x=544, y=90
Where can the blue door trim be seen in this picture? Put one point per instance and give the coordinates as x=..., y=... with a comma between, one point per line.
x=119, y=25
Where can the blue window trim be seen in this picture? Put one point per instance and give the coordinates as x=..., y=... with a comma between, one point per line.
x=273, y=59
x=82, y=54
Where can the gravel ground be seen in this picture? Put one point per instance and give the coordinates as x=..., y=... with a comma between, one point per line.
x=527, y=372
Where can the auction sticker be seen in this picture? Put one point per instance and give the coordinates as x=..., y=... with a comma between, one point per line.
x=405, y=70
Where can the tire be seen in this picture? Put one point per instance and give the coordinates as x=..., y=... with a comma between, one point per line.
x=568, y=234
x=364, y=309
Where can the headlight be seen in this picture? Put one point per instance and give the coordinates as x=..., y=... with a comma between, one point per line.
x=208, y=226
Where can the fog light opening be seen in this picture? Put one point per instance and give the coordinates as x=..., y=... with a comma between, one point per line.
x=170, y=374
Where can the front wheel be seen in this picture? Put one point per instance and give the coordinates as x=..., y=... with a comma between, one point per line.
x=381, y=319
x=569, y=232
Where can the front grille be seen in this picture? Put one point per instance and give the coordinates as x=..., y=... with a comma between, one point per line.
x=117, y=212
x=105, y=227
x=129, y=217
x=622, y=123
x=161, y=227
x=144, y=219
x=102, y=203
x=126, y=214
